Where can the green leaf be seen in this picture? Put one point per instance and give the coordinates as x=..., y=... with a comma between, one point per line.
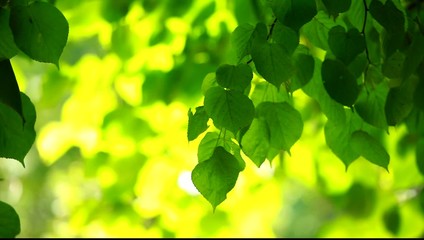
x=264, y=91
x=215, y=177
x=414, y=56
x=334, y=7
x=272, y=63
x=392, y=219
x=419, y=95
x=339, y=82
x=241, y=39
x=8, y=48
x=197, y=123
x=305, y=65
x=337, y=136
x=388, y=15
x=284, y=122
x=393, y=65
x=40, y=30
x=287, y=12
x=370, y=105
x=255, y=142
x=208, y=82
x=10, y=225
x=360, y=200
x=346, y=45
x=234, y=77
x=229, y=108
x=16, y=137
x=9, y=89
x=419, y=156
x=286, y=37
x=372, y=150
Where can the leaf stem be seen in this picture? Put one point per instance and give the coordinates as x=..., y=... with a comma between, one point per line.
x=363, y=30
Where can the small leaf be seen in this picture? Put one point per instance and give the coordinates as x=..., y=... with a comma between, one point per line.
x=392, y=219
x=40, y=30
x=229, y=108
x=215, y=177
x=284, y=122
x=287, y=12
x=241, y=39
x=272, y=63
x=16, y=137
x=10, y=225
x=372, y=150
x=234, y=77
x=419, y=156
x=334, y=7
x=255, y=142
x=8, y=48
x=339, y=82
x=346, y=45
x=9, y=89
x=197, y=123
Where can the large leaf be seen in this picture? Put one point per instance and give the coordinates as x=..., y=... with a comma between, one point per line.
x=334, y=7
x=10, y=225
x=399, y=102
x=272, y=62
x=346, y=45
x=255, y=142
x=372, y=150
x=16, y=137
x=8, y=47
x=286, y=37
x=305, y=66
x=40, y=30
x=339, y=82
x=9, y=89
x=294, y=14
x=285, y=124
x=197, y=123
x=234, y=77
x=215, y=177
x=388, y=15
x=229, y=108
x=241, y=39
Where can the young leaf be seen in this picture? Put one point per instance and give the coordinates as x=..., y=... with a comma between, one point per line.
x=339, y=82
x=10, y=225
x=197, y=123
x=272, y=62
x=345, y=45
x=16, y=137
x=215, y=177
x=9, y=89
x=334, y=7
x=392, y=219
x=229, y=108
x=370, y=105
x=288, y=12
x=284, y=123
x=255, y=142
x=234, y=77
x=241, y=39
x=8, y=47
x=419, y=156
x=367, y=146
x=40, y=30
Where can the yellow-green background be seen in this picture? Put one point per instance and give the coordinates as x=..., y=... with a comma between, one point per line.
x=111, y=157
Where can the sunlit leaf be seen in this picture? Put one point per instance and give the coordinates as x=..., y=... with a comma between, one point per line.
x=419, y=156
x=16, y=137
x=255, y=142
x=215, y=177
x=370, y=148
x=241, y=39
x=287, y=12
x=392, y=219
x=273, y=63
x=9, y=89
x=339, y=82
x=234, y=77
x=197, y=123
x=346, y=45
x=10, y=225
x=229, y=108
x=209, y=81
x=40, y=30
x=284, y=122
x=8, y=47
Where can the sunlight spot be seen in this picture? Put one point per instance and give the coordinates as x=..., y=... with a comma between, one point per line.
x=185, y=183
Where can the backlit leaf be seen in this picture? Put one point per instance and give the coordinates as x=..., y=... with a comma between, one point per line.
x=10, y=225
x=287, y=12
x=40, y=30
x=372, y=150
x=229, y=108
x=234, y=77
x=197, y=123
x=255, y=142
x=346, y=45
x=286, y=37
x=241, y=39
x=215, y=177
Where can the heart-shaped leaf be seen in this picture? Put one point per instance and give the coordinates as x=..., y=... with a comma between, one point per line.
x=10, y=225
x=370, y=148
x=234, y=77
x=346, y=45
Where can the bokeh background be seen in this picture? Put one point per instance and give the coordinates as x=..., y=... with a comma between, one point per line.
x=111, y=157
